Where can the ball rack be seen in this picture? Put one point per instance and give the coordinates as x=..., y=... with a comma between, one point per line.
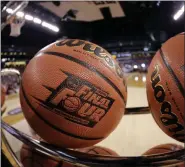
x=90, y=160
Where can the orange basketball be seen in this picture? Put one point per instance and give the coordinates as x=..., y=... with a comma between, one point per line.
x=98, y=150
x=165, y=87
x=72, y=103
x=33, y=158
x=165, y=148
x=73, y=94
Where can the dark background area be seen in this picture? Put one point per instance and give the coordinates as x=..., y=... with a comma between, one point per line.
x=126, y=34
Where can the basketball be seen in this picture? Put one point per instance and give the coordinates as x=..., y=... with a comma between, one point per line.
x=165, y=148
x=33, y=158
x=165, y=87
x=72, y=103
x=73, y=93
x=99, y=150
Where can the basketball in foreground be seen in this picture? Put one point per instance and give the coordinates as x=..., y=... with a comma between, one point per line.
x=33, y=158
x=99, y=150
x=73, y=94
x=165, y=87
x=165, y=148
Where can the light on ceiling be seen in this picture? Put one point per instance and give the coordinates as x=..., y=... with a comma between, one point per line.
x=152, y=37
x=37, y=20
x=50, y=26
x=145, y=48
x=10, y=11
x=136, y=78
x=143, y=65
x=3, y=59
x=135, y=66
x=4, y=8
x=20, y=14
x=179, y=13
x=28, y=17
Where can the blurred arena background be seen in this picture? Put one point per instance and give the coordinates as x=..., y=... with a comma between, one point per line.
x=131, y=31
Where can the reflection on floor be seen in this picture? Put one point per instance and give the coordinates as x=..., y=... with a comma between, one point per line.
x=134, y=135
x=136, y=79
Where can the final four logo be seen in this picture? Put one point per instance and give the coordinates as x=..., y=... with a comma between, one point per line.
x=78, y=100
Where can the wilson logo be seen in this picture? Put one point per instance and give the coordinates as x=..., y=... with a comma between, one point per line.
x=168, y=118
x=92, y=48
x=78, y=100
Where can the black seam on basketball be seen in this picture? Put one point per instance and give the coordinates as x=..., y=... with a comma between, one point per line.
x=60, y=164
x=54, y=127
x=106, y=151
x=163, y=148
x=89, y=67
x=71, y=107
x=177, y=82
x=72, y=102
x=92, y=150
x=30, y=158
